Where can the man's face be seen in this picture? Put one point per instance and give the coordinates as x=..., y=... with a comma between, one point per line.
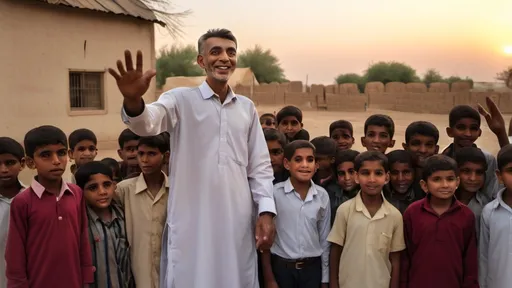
x=377, y=138
x=464, y=132
x=421, y=147
x=218, y=59
x=343, y=138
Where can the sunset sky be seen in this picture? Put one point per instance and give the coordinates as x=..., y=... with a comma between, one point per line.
x=324, y=38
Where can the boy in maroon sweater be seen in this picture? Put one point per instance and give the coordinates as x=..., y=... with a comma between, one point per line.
x=48, y=245
x=440, y=233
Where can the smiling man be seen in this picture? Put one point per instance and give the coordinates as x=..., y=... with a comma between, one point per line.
x=220, y=170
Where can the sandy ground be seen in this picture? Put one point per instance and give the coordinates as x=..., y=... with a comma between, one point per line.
x=317, y=124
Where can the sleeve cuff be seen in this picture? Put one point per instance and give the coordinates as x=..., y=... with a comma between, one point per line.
x=88, y=274
x=267, y=204
x=129, y=120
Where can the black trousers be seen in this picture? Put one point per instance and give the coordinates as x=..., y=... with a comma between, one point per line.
x=289, y=275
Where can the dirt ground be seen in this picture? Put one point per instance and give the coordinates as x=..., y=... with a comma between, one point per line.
x=317, y=124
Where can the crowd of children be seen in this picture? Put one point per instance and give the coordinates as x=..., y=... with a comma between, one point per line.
x=410, y=218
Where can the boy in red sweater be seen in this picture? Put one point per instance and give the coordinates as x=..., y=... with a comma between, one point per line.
x=47, y=244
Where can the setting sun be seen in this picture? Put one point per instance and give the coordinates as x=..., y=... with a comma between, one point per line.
x=508, y=50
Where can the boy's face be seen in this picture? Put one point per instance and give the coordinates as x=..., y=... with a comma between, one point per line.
x=150, y=159
x=85, y=151
x=505, y=176
x=276, y=155
x=441, y=184
x=472, y=176
x=302, y=165
x=10, y=167
x=346, y=176
x=464, y=132
x=290, y=126
x=50, y=161
x=377, y=138
x=324, y=162
x=343, y=138
x=99, y=190
x=421, y=147
x=267, y=122
x=129, y=152
x=401, y=177
x=372, y=177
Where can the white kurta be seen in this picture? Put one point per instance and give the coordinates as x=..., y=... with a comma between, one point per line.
x=220, y=171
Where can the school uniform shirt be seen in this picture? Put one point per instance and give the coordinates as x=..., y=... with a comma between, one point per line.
x=367, y=242
x=338, y=196
x=220, y=170
x=401, y=203
x=110, y=249
x=47, y=244
x=145, y=220
x=441, y=250
x=476, y=205
x=496, y=245
x=302, y=226
x=5, y=205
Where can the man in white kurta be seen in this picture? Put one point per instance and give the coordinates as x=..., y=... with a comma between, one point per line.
x=220, y=168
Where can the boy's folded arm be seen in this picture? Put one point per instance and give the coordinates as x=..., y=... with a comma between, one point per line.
x=15, y=253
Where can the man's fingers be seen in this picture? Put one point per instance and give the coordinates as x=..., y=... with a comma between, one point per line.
x=120, y=67
x=149, y=75
x=128, y=59
x=114, y=74
x=139, y=61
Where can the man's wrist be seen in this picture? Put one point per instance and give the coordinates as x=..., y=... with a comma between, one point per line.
x=267, y=213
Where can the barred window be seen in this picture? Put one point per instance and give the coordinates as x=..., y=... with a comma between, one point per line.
x=86, y=90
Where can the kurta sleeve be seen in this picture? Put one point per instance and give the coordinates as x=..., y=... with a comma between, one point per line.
x=470, y=255
x=259, y=169
x=85, y=248
x=483, y=248
x=491, y=186
x=324, y=227
x=406, y=254
x=339, y=228
x=157, y=117
x=15, y=252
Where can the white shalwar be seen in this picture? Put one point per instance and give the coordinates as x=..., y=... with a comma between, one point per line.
x=219, y=173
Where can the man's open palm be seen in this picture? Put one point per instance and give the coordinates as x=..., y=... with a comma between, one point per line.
x=132, y=82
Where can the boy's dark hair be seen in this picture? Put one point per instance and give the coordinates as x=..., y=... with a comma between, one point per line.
x=80, y=135
x=84, y=173
x=504, y=157
x=125, y=136
x=268, y=115
x=423, y=128
x=462, y=111
x=343, y=156
x=325, y=146
x=289, y=111
x=382, y=121
x=157, y=141
x=371, y=156
x=472, y=155
x=11, y=146
x=303, y=134
x=43, y=136
x=274, y=135
x=400, y=156
x=167, y=138
x=215, y=33
x=341, y=124
x=290, y=148
x=436, y=163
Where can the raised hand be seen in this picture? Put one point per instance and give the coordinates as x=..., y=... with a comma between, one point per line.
x=132, y=83
x=494, y=120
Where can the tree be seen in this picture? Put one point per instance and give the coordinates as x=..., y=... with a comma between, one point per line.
x=172, y=21
x=450, y=80
x=432, y=76
x=386, y=72
x=351, y=78
x=176, y=61
x=263, y=63
x=505, y=76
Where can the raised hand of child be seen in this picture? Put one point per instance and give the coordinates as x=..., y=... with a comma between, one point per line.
x=494, y=120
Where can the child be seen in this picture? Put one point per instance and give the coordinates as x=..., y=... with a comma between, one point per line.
x=167, y=137
x=494, y=247
x=267, y=121
x=401, y=192
x=275, y=143
x=82, y=149
x=127, y=151
x=12, y=161
x=324, y=156
x=465, y=129
x=114, y=166
x=47, y=244
x=367, y=235
x=472, y=165
x=439, y=233
x=107, y=234
x=145, y=205
x=300, y=254
x=343, y=133
x=421, y=139
x=345, y=188
x=378, y=133
x=289, y=122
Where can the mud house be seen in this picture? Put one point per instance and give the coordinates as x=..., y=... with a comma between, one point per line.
x=54, y=56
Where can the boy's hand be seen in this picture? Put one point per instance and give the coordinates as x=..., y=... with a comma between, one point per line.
x=494, y=118
x=132, y=82
x=265, y=231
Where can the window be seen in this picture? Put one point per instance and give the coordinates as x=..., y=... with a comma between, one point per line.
x=86, y=91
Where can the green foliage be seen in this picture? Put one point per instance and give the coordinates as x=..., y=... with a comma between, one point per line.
x=386, y=72
x=176, y=61
x=432, y=76
x=352, y=78
x=505, y=76
x=263, y=63
x=453, y=79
